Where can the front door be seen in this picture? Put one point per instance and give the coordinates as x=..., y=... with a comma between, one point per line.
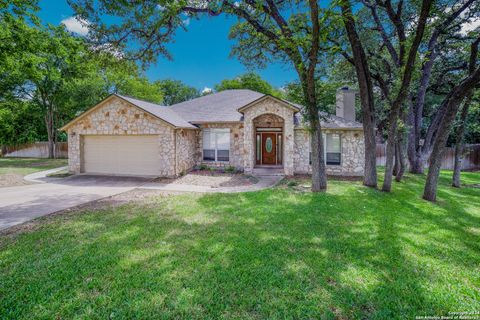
x=269, y=148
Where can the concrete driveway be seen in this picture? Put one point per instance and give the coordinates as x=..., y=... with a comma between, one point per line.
x=24, y=203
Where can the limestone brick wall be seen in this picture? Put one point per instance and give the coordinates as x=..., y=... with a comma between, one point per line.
x=117, y=117
x=269, y=106
x=187, y=148
x=352, y=158
x=236, y=145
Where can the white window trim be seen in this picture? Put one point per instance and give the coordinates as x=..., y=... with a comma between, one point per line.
x=215, y=131
x=324, y=137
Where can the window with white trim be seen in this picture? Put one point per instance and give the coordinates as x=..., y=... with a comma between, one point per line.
x=216, y=144
x=332, y=149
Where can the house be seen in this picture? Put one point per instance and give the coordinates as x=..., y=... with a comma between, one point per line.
x=239, y=128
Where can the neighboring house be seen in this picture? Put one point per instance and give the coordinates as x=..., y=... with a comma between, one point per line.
x=239, y=128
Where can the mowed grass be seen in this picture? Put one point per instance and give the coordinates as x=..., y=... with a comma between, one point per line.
x=24, y=166
x=351, y=253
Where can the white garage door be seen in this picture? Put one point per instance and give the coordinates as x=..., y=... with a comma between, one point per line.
x=121, y=155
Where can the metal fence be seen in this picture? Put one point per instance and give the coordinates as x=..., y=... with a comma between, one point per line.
x=471, y=160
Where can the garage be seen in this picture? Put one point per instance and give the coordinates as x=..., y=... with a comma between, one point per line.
x=121, y=155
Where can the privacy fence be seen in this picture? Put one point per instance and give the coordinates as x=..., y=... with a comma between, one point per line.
x=34, y=150
x=471, y=160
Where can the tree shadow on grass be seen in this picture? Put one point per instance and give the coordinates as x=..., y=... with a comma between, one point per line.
x=350, y=253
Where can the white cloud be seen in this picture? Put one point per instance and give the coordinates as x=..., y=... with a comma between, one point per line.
x=186, y=22
x=207, y=90
x=471, y=25
x=76, y=25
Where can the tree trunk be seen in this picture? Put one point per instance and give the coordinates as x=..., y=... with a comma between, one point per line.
x=366, y=96
x=452, y=103
x=396, y=162
x=402, y=143
x=50, y=133
x=402, y=164
x=319, y=176
x=390, y=153
x=459, y=144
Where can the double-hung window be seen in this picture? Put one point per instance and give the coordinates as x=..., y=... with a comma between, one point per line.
x=333, y=149
x=216, y=144
x=332, y=145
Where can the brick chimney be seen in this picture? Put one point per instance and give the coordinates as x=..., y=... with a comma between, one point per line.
x=345, y=105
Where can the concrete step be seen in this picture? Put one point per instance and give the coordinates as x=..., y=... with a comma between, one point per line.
x=277, y=172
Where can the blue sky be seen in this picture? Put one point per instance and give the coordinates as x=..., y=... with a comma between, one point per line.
x=201, y=55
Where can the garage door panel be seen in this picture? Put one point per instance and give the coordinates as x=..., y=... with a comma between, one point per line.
x=122, y=155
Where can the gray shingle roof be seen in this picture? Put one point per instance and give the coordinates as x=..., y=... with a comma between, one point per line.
x=222, y=107
x=164, y=113
x=216, y=107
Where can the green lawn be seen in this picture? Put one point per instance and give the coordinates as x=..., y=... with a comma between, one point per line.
x=24, y=166
x=353, y=253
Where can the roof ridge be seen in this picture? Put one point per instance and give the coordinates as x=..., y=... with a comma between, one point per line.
x=134, y=98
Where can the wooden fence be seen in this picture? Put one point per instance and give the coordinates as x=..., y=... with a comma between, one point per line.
x=471, y=160
x=34, y=150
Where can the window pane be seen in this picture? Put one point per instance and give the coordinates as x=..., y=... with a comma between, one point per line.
x=333, y=158
x=208, y=140
x=208, y=155
x=223, y=140
x=223, y=155
x=333, y=143
x=258, y=147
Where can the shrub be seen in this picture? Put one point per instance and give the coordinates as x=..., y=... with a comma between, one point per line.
x=292, y=183
x=230, y=169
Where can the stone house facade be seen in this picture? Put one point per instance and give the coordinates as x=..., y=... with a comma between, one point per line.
x=241, y=129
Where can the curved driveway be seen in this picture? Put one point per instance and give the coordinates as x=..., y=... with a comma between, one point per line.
x=24, y=203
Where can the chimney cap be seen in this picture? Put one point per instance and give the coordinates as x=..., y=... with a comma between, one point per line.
x=346, y=88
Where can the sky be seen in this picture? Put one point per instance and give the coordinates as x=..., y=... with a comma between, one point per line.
x=200, y=55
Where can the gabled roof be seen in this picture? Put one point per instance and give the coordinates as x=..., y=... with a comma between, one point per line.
x=224, y=106
x=286, y=103
x=161, y=112
x=216, y=107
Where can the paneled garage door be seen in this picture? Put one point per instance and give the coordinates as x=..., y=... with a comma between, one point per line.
x=121, y=155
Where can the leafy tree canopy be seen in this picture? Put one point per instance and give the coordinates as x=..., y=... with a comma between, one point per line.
x=250, y=81
x=175, y=91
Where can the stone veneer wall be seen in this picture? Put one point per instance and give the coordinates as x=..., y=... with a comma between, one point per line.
x=353, y=153
x=269, y=106
x=118, y=117
x=236, y=145
x=187, y=147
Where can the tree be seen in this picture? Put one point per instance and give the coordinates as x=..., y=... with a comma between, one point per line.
x=175, y=91
x=250, y=81
x=264, y=34
x=444, y=31
x=326, y=93
x=451, y=104
x=58, y=61
x=460, y=132
x=364, y=77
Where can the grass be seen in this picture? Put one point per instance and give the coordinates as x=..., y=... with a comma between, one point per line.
x=24, y=166
x=352, y=253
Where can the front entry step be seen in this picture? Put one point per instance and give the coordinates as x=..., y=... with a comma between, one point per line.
x=268, y=172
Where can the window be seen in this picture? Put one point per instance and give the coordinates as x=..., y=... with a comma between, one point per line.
x=216, y=144
x=333, y=147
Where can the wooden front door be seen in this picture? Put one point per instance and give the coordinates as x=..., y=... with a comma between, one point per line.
x=269, y=148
